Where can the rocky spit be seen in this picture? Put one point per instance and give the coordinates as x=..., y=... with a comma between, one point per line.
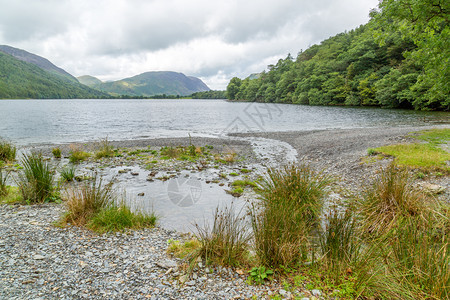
x=41, y=261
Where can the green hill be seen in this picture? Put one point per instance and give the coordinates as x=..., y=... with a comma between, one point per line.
x=34, y=59
x=154, y=83
x=22, y=80
x=88, y=80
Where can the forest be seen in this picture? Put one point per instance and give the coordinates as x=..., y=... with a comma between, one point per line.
x=399, y=59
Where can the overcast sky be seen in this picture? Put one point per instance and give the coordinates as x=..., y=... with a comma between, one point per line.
x=211, y=39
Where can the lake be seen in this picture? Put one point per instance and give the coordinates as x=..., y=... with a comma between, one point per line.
x=26, y=122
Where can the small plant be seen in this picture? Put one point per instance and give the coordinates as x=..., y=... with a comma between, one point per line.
x=85, y=201
x=420, y=175
x=183, y=250
x=234, y=174
x=119, y=217
x=236, y=192
x=105, y=149
x=226, y=242
x=56, y=152
x=371, y=152
x=7, y=151
x=36, y=179
x=3, y=186
x=68, y=173
x=258, y=275
x=245, y=171
x=391, y=196
x=77, y=155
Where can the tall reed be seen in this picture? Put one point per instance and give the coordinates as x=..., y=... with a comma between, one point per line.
x=35, y=182
x=290, y=207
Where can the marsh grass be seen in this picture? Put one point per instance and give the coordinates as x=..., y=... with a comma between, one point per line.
x=339, y=244
x=290, y=208
x=185, y=249
x=3, y=185
x=226, y=242
x=115, y=218
x=420, y=259
x=35, y=181
x=7, y=151
x=68, y=173
x=77, y=154
x=390, y=197
x=86, y=200
x=56, y=152
x=105, y=149
x=97, y=206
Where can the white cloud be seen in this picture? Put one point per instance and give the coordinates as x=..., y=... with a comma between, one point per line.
x=214, y=40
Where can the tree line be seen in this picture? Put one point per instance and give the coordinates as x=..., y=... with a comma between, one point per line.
x=399, y=59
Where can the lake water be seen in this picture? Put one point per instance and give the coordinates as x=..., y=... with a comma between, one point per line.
x=28, y=122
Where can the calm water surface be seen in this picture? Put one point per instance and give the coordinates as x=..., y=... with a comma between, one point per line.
x=61, y=121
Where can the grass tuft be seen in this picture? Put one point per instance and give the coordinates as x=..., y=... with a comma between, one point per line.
x=105, y=149
x=226, y=242
x=3, y=186
x=56, y=152
x=291, y=203
x=35, y=182
x=77, y=155
x=390, y=197
x=7, y=151
x=119, y=217
x=68, y=173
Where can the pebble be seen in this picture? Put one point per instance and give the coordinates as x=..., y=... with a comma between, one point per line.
x=47, y=262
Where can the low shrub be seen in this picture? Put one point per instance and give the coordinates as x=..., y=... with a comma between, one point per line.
x=77, y=155
x=7, y=151
x=35, y=181
x=56, y=152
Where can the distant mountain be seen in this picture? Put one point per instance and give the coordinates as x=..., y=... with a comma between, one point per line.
x=88, y=80
x=154, y=83
x=23, y=80
x=34, y=59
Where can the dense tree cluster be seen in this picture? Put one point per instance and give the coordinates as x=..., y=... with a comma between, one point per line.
x=209, y=95
x=400, y=59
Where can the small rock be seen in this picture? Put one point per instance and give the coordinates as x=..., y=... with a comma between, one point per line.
x=167, y=264
x=38, y=257
x=316, y=293
x=134, y=173
x=190, y=283
x=433, y=188
x=282, y=292
x=141, y=194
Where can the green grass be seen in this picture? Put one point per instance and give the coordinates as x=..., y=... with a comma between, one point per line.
x=105, y=149
x=183, y=250
x=36, y=179
x=234, y=174
x=118, y=218
x=56, y=152
x=68, y=173
x=7, y=151
x=389, y=198
x=226, y=241
x=244, y=183
x=426, y=156
x=93, y=205
x=3, y=185
x=11, y=196
x=77, y=155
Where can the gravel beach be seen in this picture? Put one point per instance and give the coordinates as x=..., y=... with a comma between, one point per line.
x=41, y=261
